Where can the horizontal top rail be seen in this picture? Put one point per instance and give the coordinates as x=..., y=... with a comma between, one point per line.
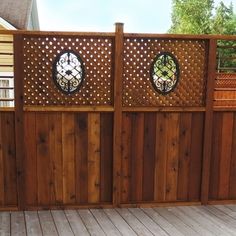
x=57, y=33
x=181, y=36
x=111, y=34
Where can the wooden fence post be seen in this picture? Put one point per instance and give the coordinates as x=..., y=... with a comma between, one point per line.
x=19, y=118
x=207, y=146
x=118, y=71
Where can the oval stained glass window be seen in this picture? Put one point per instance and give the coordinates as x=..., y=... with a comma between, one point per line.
x=165, y=72
x=68, y=72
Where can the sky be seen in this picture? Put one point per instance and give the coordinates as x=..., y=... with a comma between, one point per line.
x=138, y=16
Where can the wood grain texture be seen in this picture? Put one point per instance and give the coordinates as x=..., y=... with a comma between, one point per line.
x=43, y=159
x=165, y=159
x=208, y=128
x=172, y=157
x=81, y=140
x=225, y=161
x=161, y=157
x=137, y=157
x=56, y=161
x=68, y=151
x=94, y=157
x=126, y=158
x=149, y=156
x=196, y=153
x=106, y=134
x=31, y=159
x=184, y=155
x=8, y=175
x=232, y=180
x=19, y=119
x=68, y=158
x=117, y=127
x=222, y=175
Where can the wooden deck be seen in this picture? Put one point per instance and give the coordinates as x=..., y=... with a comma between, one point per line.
x=194, y=220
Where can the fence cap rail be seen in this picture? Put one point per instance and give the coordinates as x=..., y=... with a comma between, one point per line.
x=57, y=33
x=112, y=34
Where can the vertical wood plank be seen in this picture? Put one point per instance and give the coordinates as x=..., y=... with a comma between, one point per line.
x=225, y=159
x=43, y=159
x=216, y=153
x=195, y=171
x=106, y=156
x=19, y=119
x=161, y=157
x=207, y=145
x=137, y=146
x=184, y=155
x=94, y=157
x=172, y=157
x=118, y=73
x=81, y=140
x=126, y=157
x=31, y=181
x=1, y=163
x=68, y=153
x=56, y=166
x=149, y=156
x=8, y=129
x=232, y=180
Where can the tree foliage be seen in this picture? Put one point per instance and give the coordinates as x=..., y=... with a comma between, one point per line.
x=200, y=17
x=224, y=20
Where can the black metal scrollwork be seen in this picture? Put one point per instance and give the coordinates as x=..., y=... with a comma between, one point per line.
x=165, y=73
x=68, y=72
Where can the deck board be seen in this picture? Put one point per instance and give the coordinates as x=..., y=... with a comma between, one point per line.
x=5, y=224
x=91, y=223
x=134, y=223
x=174, y=220
x=76, y=223
x=47, y=223
x=32, y=223
x=18, y=224
x=62, y=224
x=105, y=222
x=163, y=221
x=148, y=222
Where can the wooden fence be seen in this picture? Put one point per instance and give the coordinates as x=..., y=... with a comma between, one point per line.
x=117, y=141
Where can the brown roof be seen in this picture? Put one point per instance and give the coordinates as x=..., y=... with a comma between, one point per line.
x=16, y=12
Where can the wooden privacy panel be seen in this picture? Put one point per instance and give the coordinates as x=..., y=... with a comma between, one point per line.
x=225, y=90
x=39, y=55
x=68, y=158
x=161, y=157
x=139, y=54
x=8, y=178
x=223, y=161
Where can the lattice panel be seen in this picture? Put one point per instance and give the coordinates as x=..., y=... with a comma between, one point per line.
x=39, y=55
x=225, y=81
x=138, y=56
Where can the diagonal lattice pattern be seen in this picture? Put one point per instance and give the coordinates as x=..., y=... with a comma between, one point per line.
x=139, y=54
x=39, y=55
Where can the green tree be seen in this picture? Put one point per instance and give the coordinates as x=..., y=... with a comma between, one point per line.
x=224, y=20
x=200, y=17
x=196, y=17
x=191, y=16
